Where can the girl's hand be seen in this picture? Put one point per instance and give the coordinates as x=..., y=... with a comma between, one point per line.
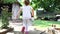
x=17, y=16
x=32, y=18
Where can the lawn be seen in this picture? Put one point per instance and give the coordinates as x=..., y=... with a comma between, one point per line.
x=45, y=24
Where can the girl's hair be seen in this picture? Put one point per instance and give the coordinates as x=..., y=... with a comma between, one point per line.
x=26, y=2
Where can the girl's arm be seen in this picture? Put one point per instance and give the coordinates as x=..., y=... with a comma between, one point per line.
x=19, y=12
x=32, y=12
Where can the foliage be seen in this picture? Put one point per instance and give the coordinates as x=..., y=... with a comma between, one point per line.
x=48, y=5
x=8, y=1
x=0, y=1
x=5, y=14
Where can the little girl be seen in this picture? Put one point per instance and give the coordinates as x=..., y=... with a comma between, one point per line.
x=28, y=13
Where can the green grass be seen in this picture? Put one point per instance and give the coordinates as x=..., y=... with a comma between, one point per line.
x=45, y=24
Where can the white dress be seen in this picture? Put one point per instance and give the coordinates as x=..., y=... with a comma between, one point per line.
x=27, y=17
x=26, y=12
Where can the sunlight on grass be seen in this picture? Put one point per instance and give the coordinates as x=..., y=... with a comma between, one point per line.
x=45, y=24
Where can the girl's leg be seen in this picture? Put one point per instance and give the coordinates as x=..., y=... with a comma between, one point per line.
x=24, y=24
x=27, y=26
x=23, y=28
x=29, y=22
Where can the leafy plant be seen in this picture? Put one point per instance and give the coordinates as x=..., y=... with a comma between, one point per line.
x=48, y=5
x=8, y=1
x=5, y=14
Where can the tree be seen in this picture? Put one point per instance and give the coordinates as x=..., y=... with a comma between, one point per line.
x=48, y=5
x=0, y=0
x=8, y=1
